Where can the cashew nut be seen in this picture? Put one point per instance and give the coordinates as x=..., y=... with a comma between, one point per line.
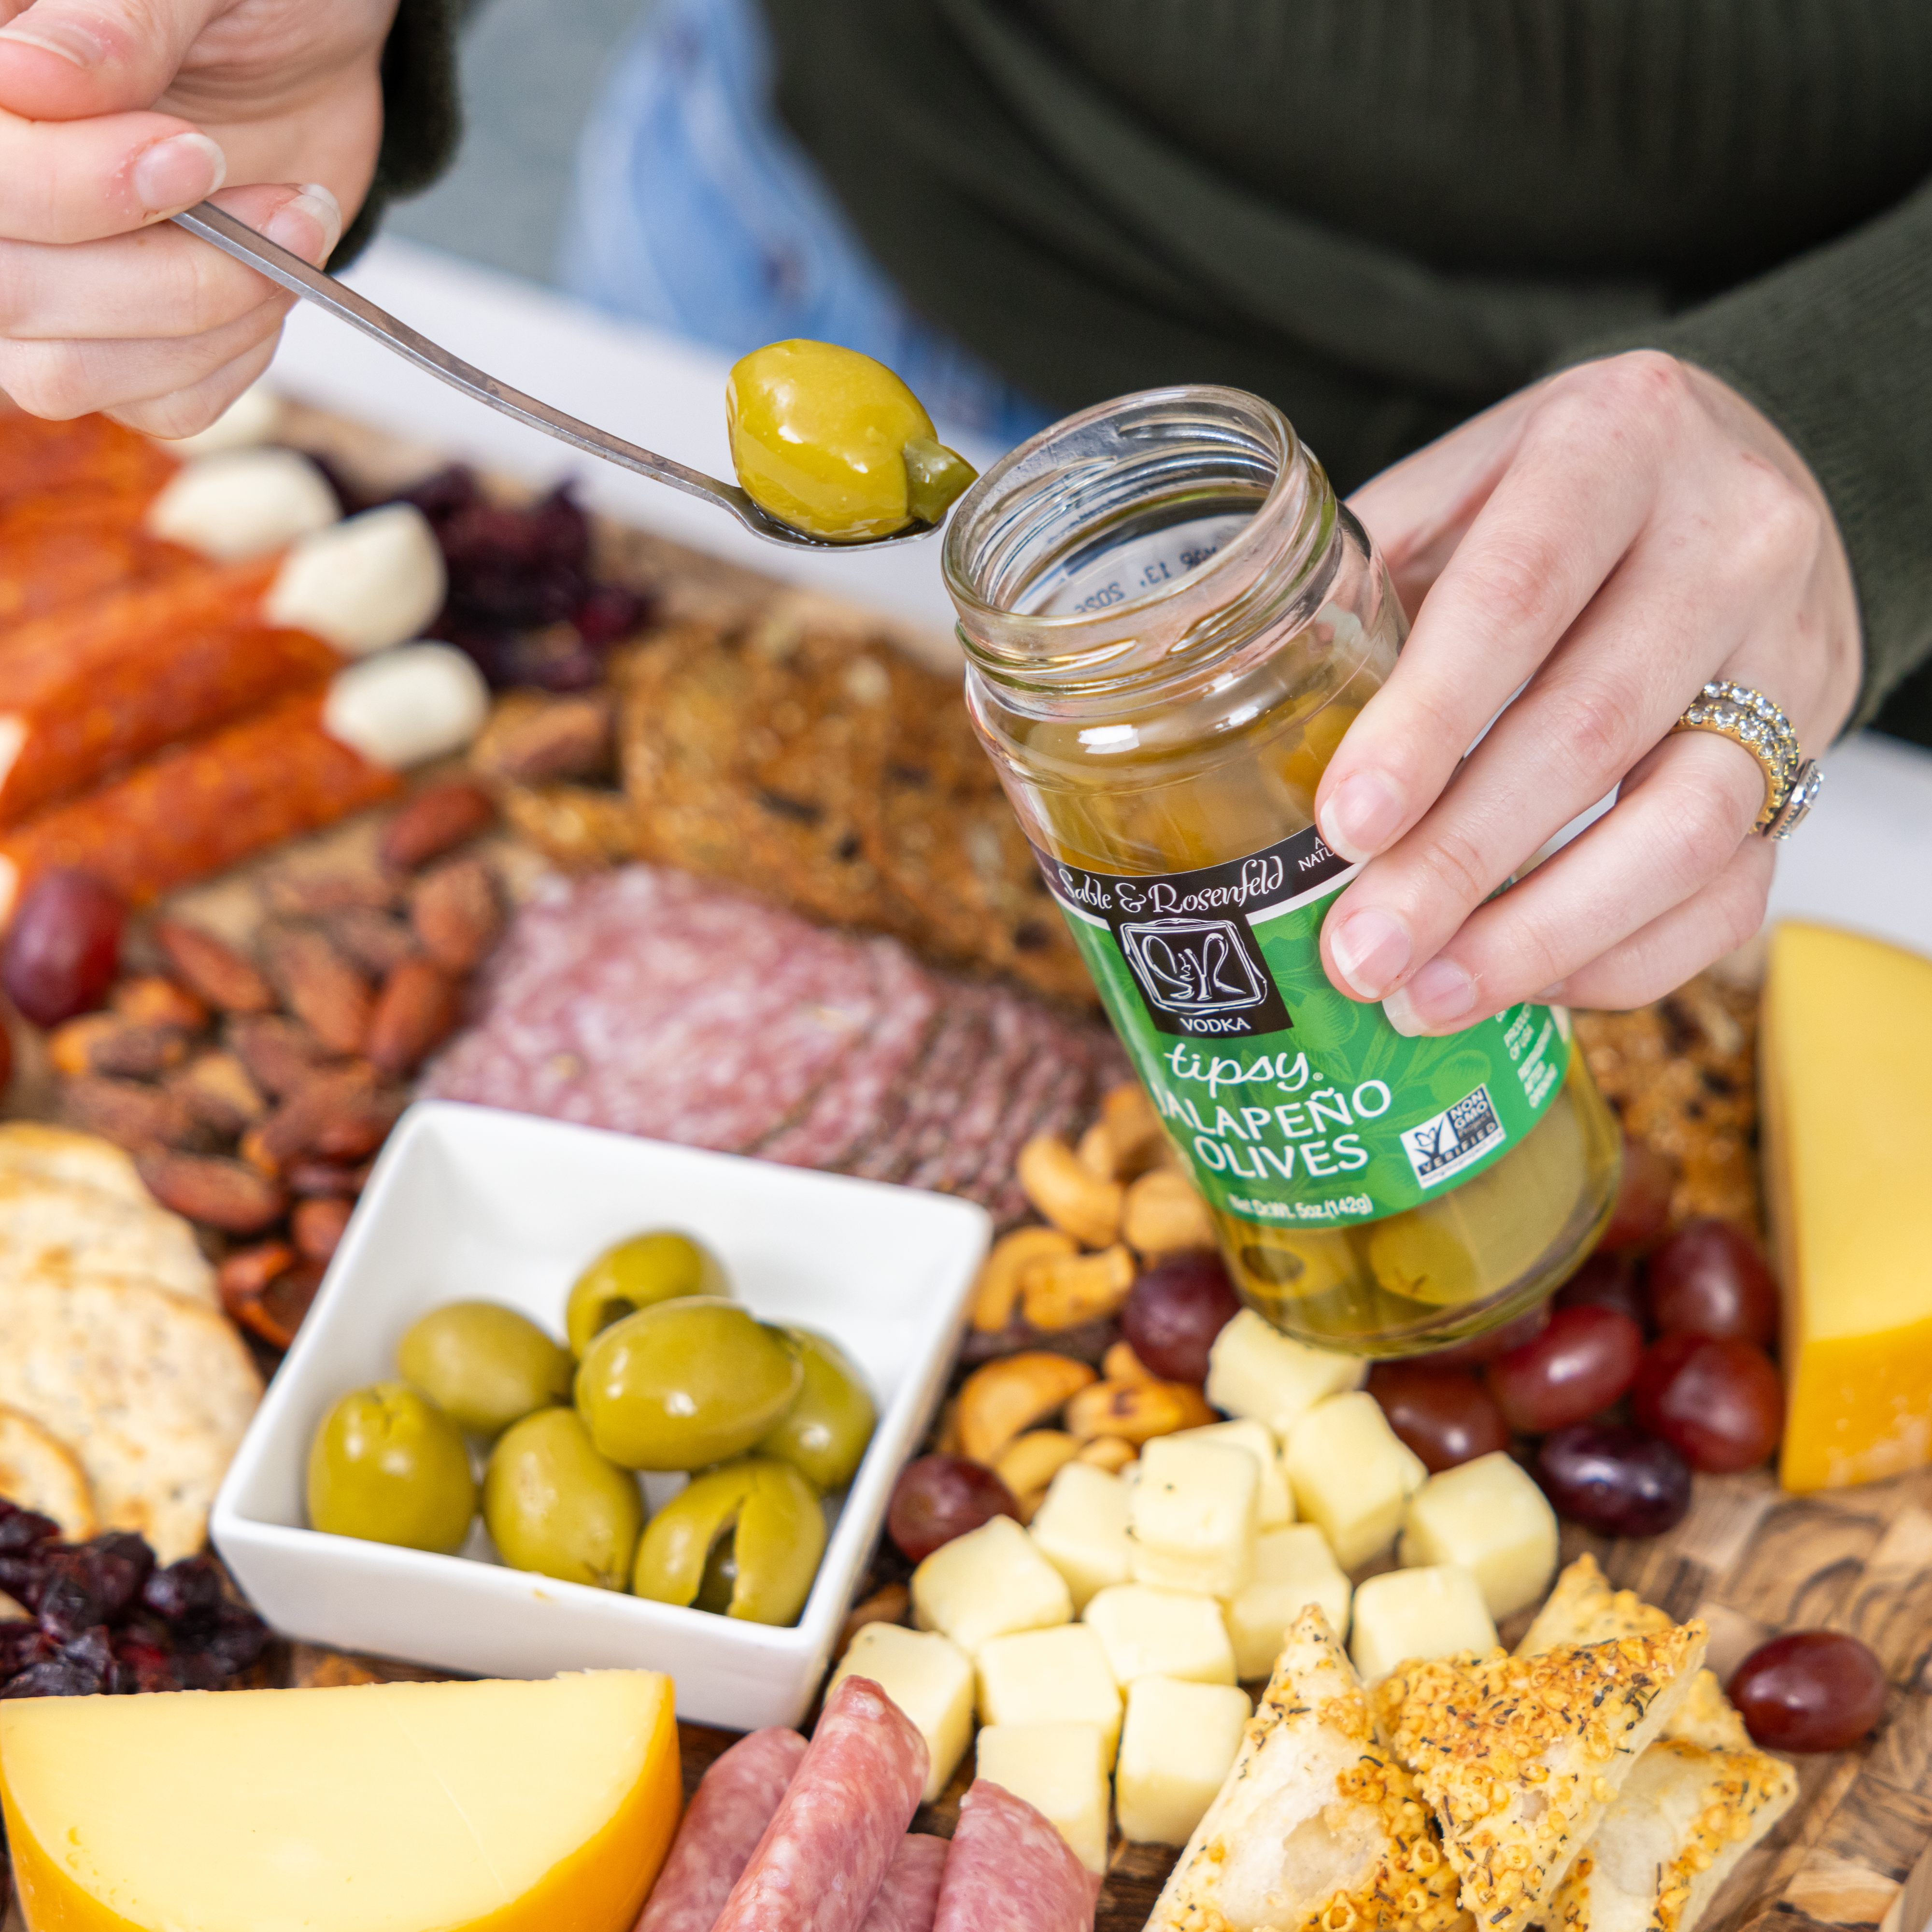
x=1070, y=1196
x=1137, y=1412
x=1095, y=1152
x=1120, y=1364
x=1029, y=1462
x=1133, y=1127
x=999, y=1399
x=1163, y=1214
x=1062, y=1291
x=1110, y=1452
x=998, y=1290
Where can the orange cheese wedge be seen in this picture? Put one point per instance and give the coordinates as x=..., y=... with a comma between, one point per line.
x=1847, y=1083
x=492, y=1807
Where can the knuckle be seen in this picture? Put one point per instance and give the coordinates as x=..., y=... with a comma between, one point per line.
x=47, y=380
x=1512, y=584
x=1782, y=525
x=1459, y=866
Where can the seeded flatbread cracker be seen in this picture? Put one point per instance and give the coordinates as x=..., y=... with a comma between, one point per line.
x=31, y=1148
x=152, y=1392
x=39, y=1472
x=60, y=1225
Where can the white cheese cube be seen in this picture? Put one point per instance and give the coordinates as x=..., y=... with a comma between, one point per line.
x=1057, y=1676
x=1150, y=1633
x=930, y=1678
x=1274, y=1504
x=1179, y=1744
x=1294, y=1567
x=986, y=1583
x=1191, y=1515
x=1058, y=1770
x=1490, y=1517
x=242, y=503
x=1352, y=1474
x=1254, y=1369
x=1081, y=1529
x=1405, y=1615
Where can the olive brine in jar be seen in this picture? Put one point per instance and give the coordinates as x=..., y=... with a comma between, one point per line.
x=1169, y=622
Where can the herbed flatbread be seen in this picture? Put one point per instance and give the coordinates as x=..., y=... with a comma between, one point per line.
x=150, y=1390
x=34, y=1150
x=39, y=1472
x=63, y=1225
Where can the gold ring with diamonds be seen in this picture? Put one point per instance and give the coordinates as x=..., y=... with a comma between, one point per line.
x=1748, y=718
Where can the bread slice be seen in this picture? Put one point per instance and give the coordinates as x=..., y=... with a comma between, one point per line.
x=1317, y=1829
x=1521, y=1755
x=1696, y=1801
x=39, y=1472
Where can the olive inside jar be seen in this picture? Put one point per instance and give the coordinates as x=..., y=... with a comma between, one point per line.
x=1169, y=623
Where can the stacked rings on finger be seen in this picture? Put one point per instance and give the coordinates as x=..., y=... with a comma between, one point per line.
x=1747, y=718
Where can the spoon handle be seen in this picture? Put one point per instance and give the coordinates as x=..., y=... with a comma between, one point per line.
x=235, y=238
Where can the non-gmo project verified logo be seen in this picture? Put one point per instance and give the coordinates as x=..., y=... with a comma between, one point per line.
x=1447, y=1143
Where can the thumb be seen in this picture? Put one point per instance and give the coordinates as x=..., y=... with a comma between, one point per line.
x=66, y=60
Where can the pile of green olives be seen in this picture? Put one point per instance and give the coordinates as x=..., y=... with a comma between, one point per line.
x=665, y=1370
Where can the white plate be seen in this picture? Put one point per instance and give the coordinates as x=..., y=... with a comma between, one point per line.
x=469, y=1203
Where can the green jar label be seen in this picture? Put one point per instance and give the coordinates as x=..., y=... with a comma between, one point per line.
x=1289, y=1102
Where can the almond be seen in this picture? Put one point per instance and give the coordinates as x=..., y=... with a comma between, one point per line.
x=140, y=1118
x=280, y=1054
x=152, y=999
x=111, y=1043
x=456, y=914
x=216, y=1089
x=378, y=942
x=224, y=1194
x=322, y=988
x=534, y=740
x=248, y=1271
x=317, y=1225
x=269, y=1291
x=417, y=1010
x=326, y=1177
x=437, y=819
x=315, y=894
x=213, y=969
x=340, y=1115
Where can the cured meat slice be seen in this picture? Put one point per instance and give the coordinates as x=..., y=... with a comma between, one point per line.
x=823, y=1857
x=110, y=681
x=59, y=550
x=1026, y=1062
x=734, y=1802
x=87, y=454
x=909, y=1894
x=934, y=1089
x=1009, y=1871
x=200, y=808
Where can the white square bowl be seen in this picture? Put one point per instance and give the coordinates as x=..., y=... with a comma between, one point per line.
x=471, y=1203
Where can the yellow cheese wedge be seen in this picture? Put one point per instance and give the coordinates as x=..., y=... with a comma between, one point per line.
x=380, y=1808
x=1847, y=1081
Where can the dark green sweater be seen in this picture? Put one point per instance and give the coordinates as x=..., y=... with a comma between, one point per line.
x=1385, y=215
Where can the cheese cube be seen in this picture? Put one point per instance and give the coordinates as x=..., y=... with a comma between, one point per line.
x=987, y=1583
x=1050, y=1677
x=1254, y=1369
x=1191, y=1515
x=1294, y=1567
x=1352, y=1474
x=1847, y=1066
x=1411, y=1616
x=1150, y=1633
x=1178, y=1746
x=1081, y=1530
x=1488, y=1517
x=1057, y=1769
x=930, y=1678
x=1274, y=1505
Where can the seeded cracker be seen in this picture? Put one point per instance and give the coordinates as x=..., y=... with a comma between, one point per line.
x=45, y=1223
x=39, y=1472
x=1317, y=1829
x=29, y=1147
x=1521, y=1755
x=151, y=1392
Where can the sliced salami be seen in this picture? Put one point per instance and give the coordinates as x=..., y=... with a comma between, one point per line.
x=825, y=1855
x=735, y=1800
x=909, y=1894
x=935, y=1089
x=1009, y=1870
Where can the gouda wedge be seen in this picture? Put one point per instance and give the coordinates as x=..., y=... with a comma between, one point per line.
x=493, y=1807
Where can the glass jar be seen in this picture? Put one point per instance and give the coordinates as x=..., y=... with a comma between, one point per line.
x=1169, y=622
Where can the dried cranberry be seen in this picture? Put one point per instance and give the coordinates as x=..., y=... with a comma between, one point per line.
x=126, y=1563
x=187, y=1593
x=94, y=1582
x=196, y=1672
x=234, y=1642
x=608, y=612
x=59, y=1677
x=142, y=1663
x=23, y=1578
x=23, y=1529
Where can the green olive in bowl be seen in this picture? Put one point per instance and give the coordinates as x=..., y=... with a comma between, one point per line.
x=662, y=1265
x=744, y=1540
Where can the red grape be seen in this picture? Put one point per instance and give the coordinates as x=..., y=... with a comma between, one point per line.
x=1491, y=1343
x=1582, y=1361
x=1606, y=1281
x=64, y=948
x=940, y=1497
x=1719, y=1404
x=1710, y=1279
x=1643, y=1197
x=1445, y=1415
x=1810, y=1690
x=1614, y=1479
x=1174, y=1313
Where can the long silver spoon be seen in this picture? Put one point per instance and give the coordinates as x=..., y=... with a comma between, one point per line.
x=266, y=257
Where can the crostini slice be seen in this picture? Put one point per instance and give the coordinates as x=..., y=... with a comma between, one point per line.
x=1317, y=1829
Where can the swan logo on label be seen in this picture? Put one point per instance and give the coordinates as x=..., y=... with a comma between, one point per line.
x=1202, y=976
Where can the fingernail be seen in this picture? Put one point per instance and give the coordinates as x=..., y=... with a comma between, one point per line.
x=71, y=39
x=1361, y=816
x=1370, y=950
x=309, y=225
x=176, y=173
x=1440, y=994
